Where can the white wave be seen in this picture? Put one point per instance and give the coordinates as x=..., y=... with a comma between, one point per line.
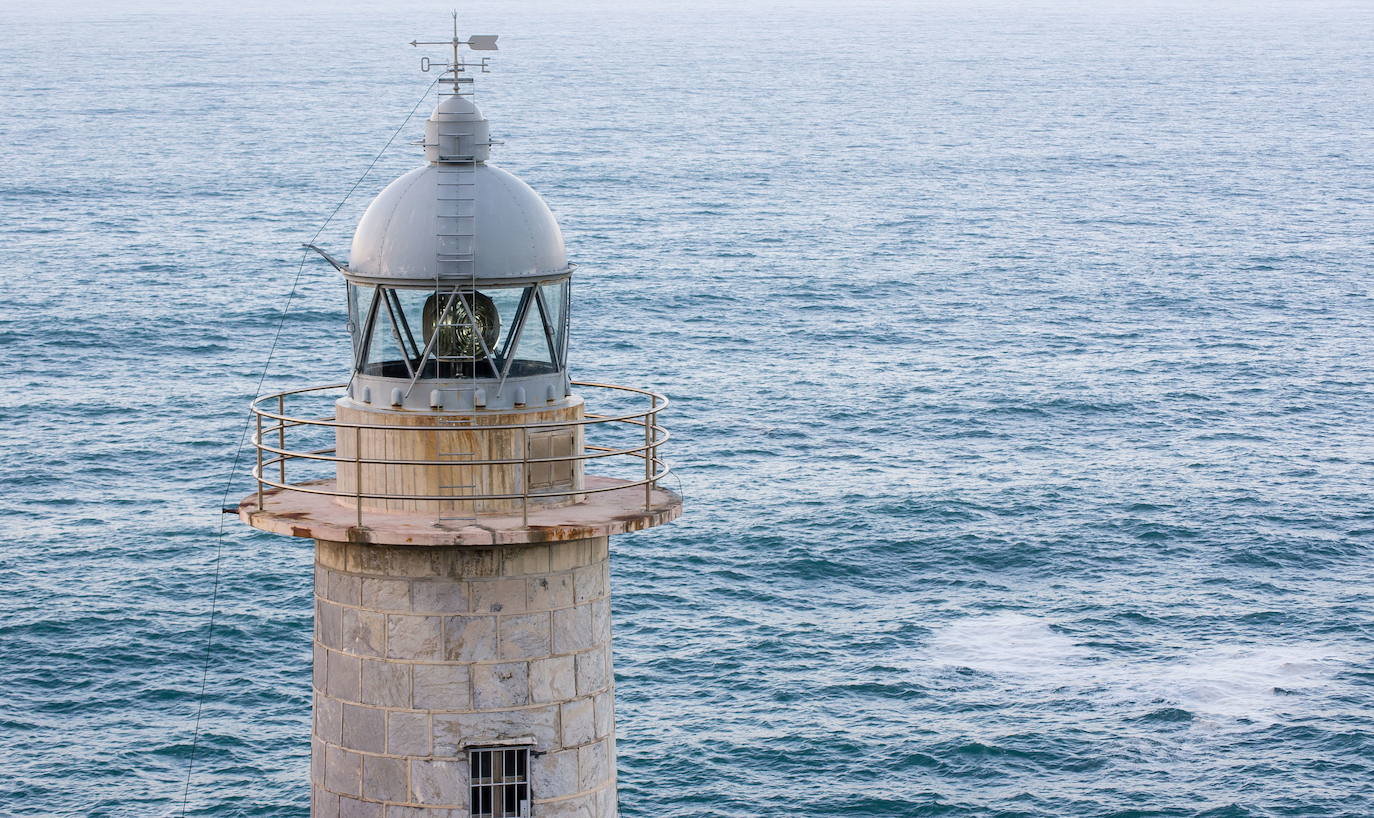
x=1251, y=682
x=1237, y=681
x=1005, y=643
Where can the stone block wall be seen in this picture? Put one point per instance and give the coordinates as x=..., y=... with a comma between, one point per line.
x=421, y=653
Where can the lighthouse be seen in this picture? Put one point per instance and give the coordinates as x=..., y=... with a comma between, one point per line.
x=460, y=489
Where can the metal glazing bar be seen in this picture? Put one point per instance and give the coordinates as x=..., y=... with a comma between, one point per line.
x=522, y=315
x=369, y=324
x=548, y=327
x=414, y=348
x=434, y=339
x=396, y=331
x=512, y=337
x=351, y=298
x=471, y=313
x=566, y=290
x=429, y=346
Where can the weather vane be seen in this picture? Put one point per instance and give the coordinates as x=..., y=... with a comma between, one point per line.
x=475, y=42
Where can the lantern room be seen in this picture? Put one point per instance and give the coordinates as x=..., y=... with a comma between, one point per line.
x=445, y=316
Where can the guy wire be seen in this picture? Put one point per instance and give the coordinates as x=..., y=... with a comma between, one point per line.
x=243, y=436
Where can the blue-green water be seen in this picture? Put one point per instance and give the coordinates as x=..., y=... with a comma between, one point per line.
x=1021, y=359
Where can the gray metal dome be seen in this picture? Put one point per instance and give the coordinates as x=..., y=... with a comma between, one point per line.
x=458, y=218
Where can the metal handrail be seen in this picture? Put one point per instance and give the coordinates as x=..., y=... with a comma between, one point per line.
x=319, y=454
x=655, y=436
x=306, y=488
x=661, y=404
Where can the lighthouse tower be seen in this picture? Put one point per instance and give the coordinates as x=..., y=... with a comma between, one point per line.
x=460, y=489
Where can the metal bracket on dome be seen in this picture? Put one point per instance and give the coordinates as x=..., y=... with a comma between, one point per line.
x=343, y=268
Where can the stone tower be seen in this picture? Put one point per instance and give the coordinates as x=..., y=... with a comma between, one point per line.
x=460, y=497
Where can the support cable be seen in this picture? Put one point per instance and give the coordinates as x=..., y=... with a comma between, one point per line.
x=243, y=436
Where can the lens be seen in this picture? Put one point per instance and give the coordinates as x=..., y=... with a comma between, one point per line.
x=469, y=321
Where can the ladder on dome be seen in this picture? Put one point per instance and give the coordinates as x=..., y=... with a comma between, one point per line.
x=456, y=264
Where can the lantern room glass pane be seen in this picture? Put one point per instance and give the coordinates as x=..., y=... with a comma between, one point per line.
x=384, y=349
x=507, y=300
x=541, y=340
x=359, y=303
x=556, y=298
x=521, y=331
x=533, y=352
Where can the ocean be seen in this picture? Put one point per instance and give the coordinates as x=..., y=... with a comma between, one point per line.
x=1020, y=359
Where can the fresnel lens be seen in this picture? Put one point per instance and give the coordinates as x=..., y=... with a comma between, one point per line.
x=467, y=325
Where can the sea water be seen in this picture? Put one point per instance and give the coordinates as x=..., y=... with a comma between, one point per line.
x=1020, y=358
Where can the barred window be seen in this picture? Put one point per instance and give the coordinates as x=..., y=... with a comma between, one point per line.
x=500, y=782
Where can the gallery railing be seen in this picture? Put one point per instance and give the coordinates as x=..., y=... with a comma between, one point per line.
x=278, y=431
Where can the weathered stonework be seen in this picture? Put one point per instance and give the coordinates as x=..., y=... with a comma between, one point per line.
x=423, y=652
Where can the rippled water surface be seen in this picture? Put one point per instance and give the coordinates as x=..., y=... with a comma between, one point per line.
x=1021, y=359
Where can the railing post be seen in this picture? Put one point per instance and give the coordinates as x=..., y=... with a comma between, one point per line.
x=257, y=447
x=524, y=477
x=648, y=454
x=281, y=436
x=358, y=472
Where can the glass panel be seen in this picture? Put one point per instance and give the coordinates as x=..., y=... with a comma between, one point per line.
x=533, y=353
x=556, y=299
x=359, y=302
x=510, y=323
x=544, y=323
x=507, y=300
x=384, y=355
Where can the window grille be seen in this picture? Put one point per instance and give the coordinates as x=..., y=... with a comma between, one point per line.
x=500, y=782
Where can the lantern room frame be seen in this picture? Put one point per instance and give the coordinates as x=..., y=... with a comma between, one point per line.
x=385, y=312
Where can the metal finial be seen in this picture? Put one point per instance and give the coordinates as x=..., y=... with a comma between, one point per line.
x=456, y=66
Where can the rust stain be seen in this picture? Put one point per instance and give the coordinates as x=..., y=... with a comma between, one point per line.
x=298, y=531
x=561, y=532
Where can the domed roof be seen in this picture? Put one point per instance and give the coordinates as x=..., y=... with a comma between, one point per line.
x=457, y=105
x=514, y=234
x=458, y=217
